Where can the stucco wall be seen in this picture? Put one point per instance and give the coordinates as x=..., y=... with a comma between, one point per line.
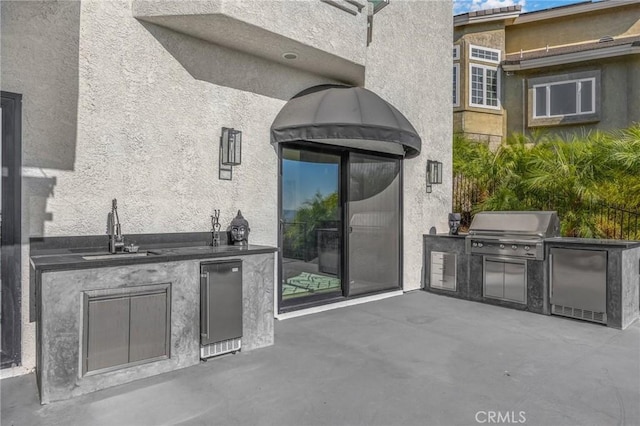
x=117, y=108
x=309, y=22
x=633, y=90
x=409, y=64
x=484, y=123
x=619, y=22
x=618, y=106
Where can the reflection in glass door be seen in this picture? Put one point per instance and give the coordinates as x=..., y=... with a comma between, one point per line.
x=311, y=226
x=374, y=215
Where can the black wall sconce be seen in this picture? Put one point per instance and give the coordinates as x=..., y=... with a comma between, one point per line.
x=230, y=152
x=434, y=174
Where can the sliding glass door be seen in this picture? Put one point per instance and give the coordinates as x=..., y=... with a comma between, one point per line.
x=340, y=215
x=311, y=226
x=374, y=213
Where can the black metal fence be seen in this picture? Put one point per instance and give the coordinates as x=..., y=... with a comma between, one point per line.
x=617, y=222
x=610, y=221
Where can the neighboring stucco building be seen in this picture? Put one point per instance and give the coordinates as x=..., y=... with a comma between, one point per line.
x=127, y=99
x=558, y=70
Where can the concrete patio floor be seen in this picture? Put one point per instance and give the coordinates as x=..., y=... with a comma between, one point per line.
x=416, y=359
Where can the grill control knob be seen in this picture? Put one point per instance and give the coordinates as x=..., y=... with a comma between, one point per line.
x=527, y=248
x=502, y=246
x=480, y=244
x=515, y=247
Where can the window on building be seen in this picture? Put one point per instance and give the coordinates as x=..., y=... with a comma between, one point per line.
x=456, y=85
x=456, y=76
x=484, y=54
x=484, y=86
x=564, y=98
x=568, y=98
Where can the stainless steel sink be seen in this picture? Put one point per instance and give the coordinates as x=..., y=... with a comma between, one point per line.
x=118, y=255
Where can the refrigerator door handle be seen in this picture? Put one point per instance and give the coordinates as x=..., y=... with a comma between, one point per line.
x=204, y=306
x=551, y=276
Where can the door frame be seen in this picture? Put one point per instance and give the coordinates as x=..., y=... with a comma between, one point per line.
x=343, y=184
x=11, y=224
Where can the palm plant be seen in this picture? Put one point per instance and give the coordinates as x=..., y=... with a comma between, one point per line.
x=509, y=168
x=565, y=173
x=621, y=150
x=472, y=162
x=568, y=174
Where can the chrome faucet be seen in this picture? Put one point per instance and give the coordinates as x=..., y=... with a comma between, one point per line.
x=116, y=239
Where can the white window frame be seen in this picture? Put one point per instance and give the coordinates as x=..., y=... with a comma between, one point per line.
x=578, y=98
x=484, y=83
x=488, y=49
x=456, y=52
x=456, y=97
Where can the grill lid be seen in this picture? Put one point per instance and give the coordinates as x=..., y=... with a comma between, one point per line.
x=542, y=224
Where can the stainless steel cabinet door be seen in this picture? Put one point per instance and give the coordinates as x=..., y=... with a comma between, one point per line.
x=443, y=270
x=579, y=278
x=493, y=279
x=515, y=282
x=449, y=271
x=108, y=333
x=148, y=327
x=222, y=308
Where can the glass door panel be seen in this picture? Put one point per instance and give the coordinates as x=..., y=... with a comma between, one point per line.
x=311, y=226
x=374, y=224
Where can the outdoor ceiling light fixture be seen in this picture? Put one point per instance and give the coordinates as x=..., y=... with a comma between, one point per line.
x=434, y=174
x=230, y=152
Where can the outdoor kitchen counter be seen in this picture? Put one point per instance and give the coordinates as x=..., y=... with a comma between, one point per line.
x=450, y=244
x=469, y=274
x=65, y=282
x=595, y=242
x=622, y=275
x=66, y=259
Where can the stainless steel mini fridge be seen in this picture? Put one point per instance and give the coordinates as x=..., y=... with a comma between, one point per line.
x=220, y=307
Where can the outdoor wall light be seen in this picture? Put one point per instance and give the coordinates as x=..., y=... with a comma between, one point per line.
x=434, y=174
x=230, y=152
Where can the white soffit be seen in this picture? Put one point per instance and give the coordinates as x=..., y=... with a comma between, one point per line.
x=207, y=22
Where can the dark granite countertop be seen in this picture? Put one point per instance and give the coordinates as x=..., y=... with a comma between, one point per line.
x=445, y=235
x=594, y=242
x=86, y=258
x=625, y=244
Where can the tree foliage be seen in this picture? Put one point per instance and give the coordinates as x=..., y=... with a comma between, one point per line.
x=316, y=212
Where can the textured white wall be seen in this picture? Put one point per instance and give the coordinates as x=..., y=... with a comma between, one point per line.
x=307, y=21
x=409, y=64
x=117, y=108
x=113, y=108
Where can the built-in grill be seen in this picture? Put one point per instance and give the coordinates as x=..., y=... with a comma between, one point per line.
x=512, y=234
x=508, y=245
